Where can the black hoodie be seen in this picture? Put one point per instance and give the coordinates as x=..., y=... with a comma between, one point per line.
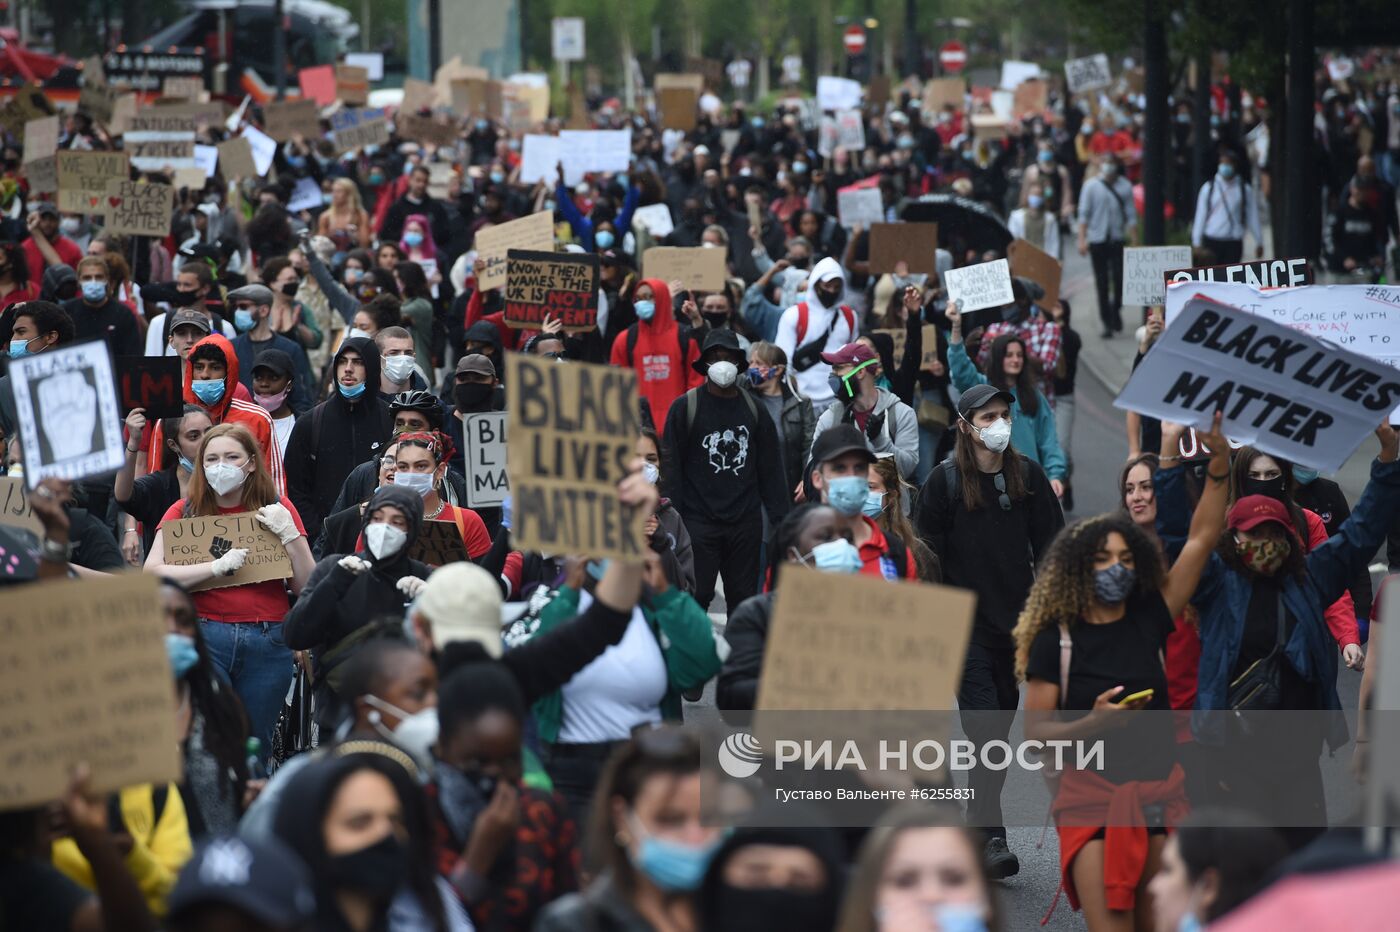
x=335, y=602
x=333, y=438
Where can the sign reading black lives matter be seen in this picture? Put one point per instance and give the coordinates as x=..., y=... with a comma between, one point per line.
x=559, y=284
x=484, y=436
x=66, y=404
x=573, y=431
x=1289, y=394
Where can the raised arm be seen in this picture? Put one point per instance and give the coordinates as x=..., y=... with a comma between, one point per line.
x=1206, y=524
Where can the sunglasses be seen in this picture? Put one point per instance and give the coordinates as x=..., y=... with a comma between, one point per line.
x=999, y=481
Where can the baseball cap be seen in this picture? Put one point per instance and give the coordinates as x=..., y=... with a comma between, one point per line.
x=462, y=603
x=185, y=317
x=476, y=362
x=849, y=354
x=263, y=878
x=1254, y=510
x=724, y=339
x=44, y=208
x=258, y=294
x=840, y=439
x=276, y=360
x=978, y=395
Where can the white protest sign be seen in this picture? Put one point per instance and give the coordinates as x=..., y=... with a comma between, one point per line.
x=837, y=93
x=1287, y=393
x=484, y=436
x=264, y=148
x=207, y=158
x=850, y=130
x=539, y=157
x=305, y=196
x=987, y=284
x=826, y=135
x=372, y=62
x=66, y=404
x=1262, y=273
x=594, y=150
x=656, y=218
x=860, y=205
x=1088, y=74
x=1144, y=271
x=1014, y=72
x=1003, y=103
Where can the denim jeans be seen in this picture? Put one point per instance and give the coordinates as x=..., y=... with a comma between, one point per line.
x=253, y=658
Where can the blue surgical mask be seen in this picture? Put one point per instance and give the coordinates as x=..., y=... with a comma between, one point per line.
x=243, y=320
x=799, y=168
x=1113, y=584
x=756, y=122
x=94, y=291
x=1303, y=476
x=20, y=349
x=208, y=390
x=646, y=310
x=603, y=238
x=353, y=275
x=186, y=464
x=1035, y=200
x=181, y=651
x=1045, y=157
x=672, y=866
x=1225, y=170
x=498, y=177
x=959, y=917
x=847, y=494
x=1189, y=923
x=350, y=392
x=413, y=239
x=834, y=556
x=874, y=504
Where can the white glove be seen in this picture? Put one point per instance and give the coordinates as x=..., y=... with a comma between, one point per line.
x=231, y=562
x=354, y=564
x=410, y=586
x=277, y=519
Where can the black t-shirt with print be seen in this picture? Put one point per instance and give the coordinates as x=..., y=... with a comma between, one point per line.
x=1127, y=653
x=718, y=456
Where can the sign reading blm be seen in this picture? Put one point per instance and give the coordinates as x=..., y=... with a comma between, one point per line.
x=559, y=285
x=573, y=431
x=484, y=436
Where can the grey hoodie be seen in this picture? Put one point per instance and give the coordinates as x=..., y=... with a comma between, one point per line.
x=899, y=434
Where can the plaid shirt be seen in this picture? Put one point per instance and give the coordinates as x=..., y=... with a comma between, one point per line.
x=1042, y=339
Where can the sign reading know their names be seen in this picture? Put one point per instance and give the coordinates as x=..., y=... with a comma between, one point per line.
x=987, y=284
x=66, y=403
x=560, y=285
x=1265, y=273
x=138, y=208
x=697, y=268
x=1289, y=394
x=1144, y=271
x=87, y=680
x=485, y=438
x=573, y=430
x=823, y=653
x=201, y=540
x=83, y=178
x=532, y=232
x=1088, y=73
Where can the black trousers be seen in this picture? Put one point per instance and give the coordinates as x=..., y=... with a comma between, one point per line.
x=1226, y=251
x=731, y=551
x=988, y=685
x=1107, y=259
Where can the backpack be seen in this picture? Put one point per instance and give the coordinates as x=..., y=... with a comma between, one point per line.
x=805, y=357
x=692, y=404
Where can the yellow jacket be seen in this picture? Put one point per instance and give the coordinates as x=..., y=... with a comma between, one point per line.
x=160, y=844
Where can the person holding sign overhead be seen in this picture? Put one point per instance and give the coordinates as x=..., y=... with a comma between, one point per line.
x=242, y=624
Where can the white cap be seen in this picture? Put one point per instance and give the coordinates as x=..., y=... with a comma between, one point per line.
x=462, y=603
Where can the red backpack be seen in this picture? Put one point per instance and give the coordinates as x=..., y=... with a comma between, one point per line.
x=846, y=312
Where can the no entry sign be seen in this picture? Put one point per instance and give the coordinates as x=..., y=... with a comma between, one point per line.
x=854, y=39
x=952, y=56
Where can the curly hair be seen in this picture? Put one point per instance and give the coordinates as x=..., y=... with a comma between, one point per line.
x=1064, y=587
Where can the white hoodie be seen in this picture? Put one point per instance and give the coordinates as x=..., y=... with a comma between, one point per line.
x=812, y=383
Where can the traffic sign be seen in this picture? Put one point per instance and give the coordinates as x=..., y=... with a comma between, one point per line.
x=567, y=38
x=952, y=56
x=854, y=39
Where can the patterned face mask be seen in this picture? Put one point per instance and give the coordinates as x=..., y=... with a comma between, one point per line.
x=1263, y=556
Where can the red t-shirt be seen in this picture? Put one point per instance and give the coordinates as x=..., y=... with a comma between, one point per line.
x=473, y=529
x=67, y=250
x=264, y=601
x=875, y=559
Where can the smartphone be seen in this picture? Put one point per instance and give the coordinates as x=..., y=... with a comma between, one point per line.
x=1145, y=694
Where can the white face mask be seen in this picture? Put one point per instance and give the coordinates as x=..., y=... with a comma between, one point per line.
x=996, y=436
x=384, y=540
x=651, y=472
x=398, y=368
x=420, y=482
x=723, y=373
x=223, y=478
x=357, y=332
x=416, y=733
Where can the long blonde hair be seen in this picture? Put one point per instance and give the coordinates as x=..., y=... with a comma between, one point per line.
x=345, y=184
x=258, y=489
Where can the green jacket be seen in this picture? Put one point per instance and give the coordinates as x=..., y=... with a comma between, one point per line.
x=682, y=629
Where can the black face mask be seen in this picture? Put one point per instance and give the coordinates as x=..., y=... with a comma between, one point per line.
x=1273, y=488
x=717, y=321
x=801, y=262
x=740, y=910
x=828, y=298
x=377, y=871
x=290, y=289
x=472, y=396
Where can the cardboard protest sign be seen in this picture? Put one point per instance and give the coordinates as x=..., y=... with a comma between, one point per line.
x=655, y=219
x=441, y=177
x=354, y=129
x=66, y=404
x=534, y=105
x=236, y=158
x=1144, y=270
x=352, y=85
x=1031, y=97
x=188, y=87
x=152, y=383
x=83, y=178
x=283, y=119
x=158, y=141
x=139, y=208
x=1287, y=393
x=573, y=430
x=988, y=126
x=97, y=98
x=1088, y=74
x=40, y=139
x=484, y=436
x=14, y=507
x=823, y=653
x=943, y=91
x=27, y=104
x=200, y=540
x=430, y=130
x=915, y=244
x=835, y=93
x=696, y=267
x=862, y=206
x=122, y=112
x=1029, y=261
x=562, y=285
x=532, y=232
x=209, y=114
x=678, y=107
x=877, y=93
x=439, y=543
x=1265, y=273
x=318, y=84
x=417, y=95
x=87, y=680
x=987, y=284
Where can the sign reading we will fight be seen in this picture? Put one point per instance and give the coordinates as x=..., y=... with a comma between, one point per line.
x=1287, y=393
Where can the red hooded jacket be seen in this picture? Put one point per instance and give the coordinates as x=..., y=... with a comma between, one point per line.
x=665, y=369
x=229, y=410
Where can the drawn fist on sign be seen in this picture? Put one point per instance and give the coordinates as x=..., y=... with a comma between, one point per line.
x=219, y=546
